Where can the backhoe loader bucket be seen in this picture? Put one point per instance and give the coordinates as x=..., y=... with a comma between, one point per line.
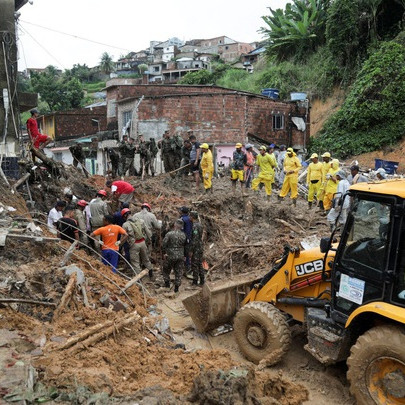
x=216, y=304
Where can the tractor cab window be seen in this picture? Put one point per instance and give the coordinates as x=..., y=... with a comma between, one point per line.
x=366, y=244
x=399, y=285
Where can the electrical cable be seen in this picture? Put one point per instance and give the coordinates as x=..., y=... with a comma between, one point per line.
x=53, y=57
x=76, y=36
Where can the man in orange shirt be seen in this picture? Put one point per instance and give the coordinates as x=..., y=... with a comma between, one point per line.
x=110, y=243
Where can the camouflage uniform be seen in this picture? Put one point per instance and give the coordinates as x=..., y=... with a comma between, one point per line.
x=185, y=159
x=173, y=246
x=167, y=154
x=177, y=145
x=197, y=249
x=146, y=158
x=127, y=152
x=78, y=155
x=114, y=160
x=80, y=218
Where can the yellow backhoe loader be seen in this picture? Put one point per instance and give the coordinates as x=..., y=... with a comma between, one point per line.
x=350, y=295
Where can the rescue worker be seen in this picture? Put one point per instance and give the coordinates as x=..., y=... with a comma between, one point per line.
x=314, y=178
x=67, y=226
x=339, y=206
x=237, y=166
x=381, y=174
x=173, y=248
x=195, y=159
x=197, y=250
x=153, y=152
x=249, y=165
x=127, y=151
x=167, y=153
x=292, y=166
x=119, y=220
x=355, y=176
x=185, y=157
x=80, y=217
x=109, y=241
x=98, y=210
x=177, y=145
x=207, y=167
x=55, y=214
x=112, y=158
x=326, y=160
x=280, y=165
x=188, y=231
x=137, y=234
x=122, y=149
x=151, y=223
x=122, y=190
x=267, y=164
x=39, y=141
x=78, y=156
x=145, y=157
x=331, y=185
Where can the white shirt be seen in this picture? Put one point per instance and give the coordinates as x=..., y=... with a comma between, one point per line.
x=53, y=216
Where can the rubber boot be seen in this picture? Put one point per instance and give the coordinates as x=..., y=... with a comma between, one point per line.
x=309, y=205
x=151, y=274
x=195, y=282
x=176, y=288
x=321, y=205
x=294, y=201
x=202, y=280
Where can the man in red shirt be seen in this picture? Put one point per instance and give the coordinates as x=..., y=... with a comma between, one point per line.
x=110, y=243
x=122, y=190
x=39, y=141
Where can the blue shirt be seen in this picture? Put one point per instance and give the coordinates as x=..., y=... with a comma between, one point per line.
x=193, y=152
x=187, y=227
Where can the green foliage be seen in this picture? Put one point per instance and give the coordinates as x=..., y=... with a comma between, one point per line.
x=106, y=63
x=372, y=114
x=297, y=30
x=59, y=92
x=78, y=71
x=93, y=87
x=200, y=77
x=143, y=67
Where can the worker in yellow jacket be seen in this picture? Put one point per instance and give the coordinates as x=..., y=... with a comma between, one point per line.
x=314, y=178
x=207, y=167
x=292, y=166
x=331, y=185
x=267, y=163
x=326, y=161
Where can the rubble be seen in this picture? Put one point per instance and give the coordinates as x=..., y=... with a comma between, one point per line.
x=97, y=335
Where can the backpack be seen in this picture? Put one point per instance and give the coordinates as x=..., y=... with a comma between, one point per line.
x=137, y=228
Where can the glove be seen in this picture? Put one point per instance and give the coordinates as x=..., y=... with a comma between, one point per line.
x=328, y=176
x=117, y=243
x=206, y=176
x=401, y=295
x=100, y=242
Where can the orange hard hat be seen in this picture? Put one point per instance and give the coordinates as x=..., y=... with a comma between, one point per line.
x=125, y=211
x=82, y=203
x=102, y=192
x=145, y=204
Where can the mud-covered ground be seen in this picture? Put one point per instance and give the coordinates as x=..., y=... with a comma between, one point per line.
x=145, y=361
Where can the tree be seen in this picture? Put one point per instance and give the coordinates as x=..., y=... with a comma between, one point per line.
x=106, y=63
x=60, y=93
x=201, y=77
x=142, y=68
x=81, y=72
x=296, y=31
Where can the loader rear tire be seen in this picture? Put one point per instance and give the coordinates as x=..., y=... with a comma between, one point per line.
x=262, y=332
x=376, y=366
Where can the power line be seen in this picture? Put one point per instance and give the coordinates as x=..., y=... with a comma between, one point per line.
x=53, y=57
x=76, y=36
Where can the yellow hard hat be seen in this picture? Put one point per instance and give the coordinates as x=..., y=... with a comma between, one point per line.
x=262, y=148
x=238, y=145
x=326, y=154
x=204, y=146
x=290, y=150
x=314, y=155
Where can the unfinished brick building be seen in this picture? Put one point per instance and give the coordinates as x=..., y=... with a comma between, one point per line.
x=216, y=115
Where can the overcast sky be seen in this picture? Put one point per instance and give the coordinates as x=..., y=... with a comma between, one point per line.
x=128, y=25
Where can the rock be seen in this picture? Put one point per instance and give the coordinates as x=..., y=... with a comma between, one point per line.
x=37, y=352
x=116, y=303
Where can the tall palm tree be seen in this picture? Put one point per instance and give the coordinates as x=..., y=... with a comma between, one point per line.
x=106, y=63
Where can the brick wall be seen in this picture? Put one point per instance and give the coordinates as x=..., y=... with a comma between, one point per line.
x=78, y=122
x=214, y=118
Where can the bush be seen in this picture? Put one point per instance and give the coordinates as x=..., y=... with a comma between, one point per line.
x=372, y=114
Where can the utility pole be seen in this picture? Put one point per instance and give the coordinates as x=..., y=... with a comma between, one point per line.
x=9, y=144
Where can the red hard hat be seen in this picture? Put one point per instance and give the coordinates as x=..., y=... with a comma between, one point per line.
x=147, y=206
x=102, y=192
x=125, y=211
x=82, y=203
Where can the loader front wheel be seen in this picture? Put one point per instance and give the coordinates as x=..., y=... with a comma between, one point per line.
x=376, y=366
x=262, y=332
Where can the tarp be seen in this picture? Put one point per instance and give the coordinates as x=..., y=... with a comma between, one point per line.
x=299, y=122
